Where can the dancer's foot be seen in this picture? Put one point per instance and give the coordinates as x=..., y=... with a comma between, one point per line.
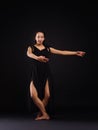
x=39, y=114
x=43, y=117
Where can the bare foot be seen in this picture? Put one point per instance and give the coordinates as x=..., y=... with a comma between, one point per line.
x=43, y=117
x=39, y=114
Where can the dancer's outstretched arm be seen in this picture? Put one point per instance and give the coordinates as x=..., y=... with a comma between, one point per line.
x=67, y=52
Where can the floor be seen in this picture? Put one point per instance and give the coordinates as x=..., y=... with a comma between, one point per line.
x=59, y=122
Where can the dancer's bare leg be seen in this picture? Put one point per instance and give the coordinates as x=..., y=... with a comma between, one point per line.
x=47, y=94
x=46, y=97
x=38, y=102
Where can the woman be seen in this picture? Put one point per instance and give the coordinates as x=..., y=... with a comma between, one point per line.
x=40, y=83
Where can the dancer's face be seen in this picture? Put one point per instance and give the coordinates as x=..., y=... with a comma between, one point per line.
x=39, y=38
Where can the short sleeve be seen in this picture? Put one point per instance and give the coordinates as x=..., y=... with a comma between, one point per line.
x=32, y=47
x=48, y=46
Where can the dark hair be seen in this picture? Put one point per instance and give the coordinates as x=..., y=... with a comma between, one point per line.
x=40, y=32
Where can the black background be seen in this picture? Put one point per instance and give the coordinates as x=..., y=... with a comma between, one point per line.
x=69, y=26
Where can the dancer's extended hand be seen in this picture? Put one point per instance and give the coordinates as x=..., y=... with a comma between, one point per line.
x=80, y=53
